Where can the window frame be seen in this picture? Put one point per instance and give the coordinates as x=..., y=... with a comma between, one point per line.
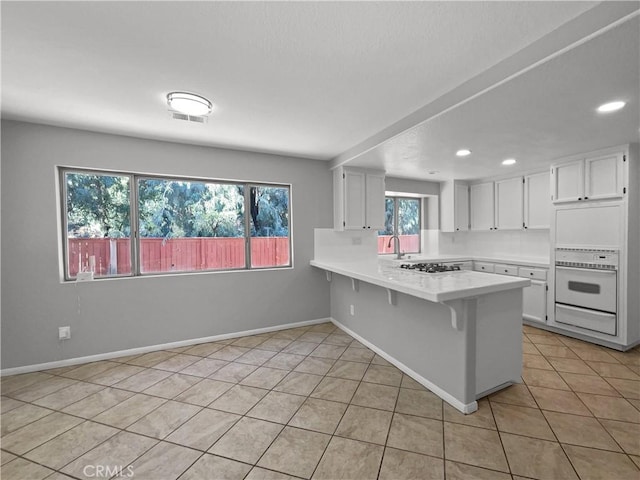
x=396, y=202
x=135, y=220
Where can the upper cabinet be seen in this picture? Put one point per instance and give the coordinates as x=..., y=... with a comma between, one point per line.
x=511, y=204
x=482, y=206
x=603, y=177
x=358, y=199
x=593, y=178
x=537, y=213
x=454, y=206
x=509, y=201
x=568, y=182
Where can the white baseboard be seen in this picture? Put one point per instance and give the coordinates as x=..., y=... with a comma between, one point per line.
x=153, y=348
x=451, y=400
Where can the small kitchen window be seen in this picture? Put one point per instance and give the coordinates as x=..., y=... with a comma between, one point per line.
x=177, y=225
x=402, y=218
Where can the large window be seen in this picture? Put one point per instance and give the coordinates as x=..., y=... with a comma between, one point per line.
x=182, y=225
x=402, y=218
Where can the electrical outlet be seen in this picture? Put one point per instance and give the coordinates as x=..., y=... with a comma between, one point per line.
x=64, y=333
x=352, y=310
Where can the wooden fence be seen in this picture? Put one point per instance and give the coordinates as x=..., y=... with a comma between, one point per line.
x=408, y=243
x=113, y=256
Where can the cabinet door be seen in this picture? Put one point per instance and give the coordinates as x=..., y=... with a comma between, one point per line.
x=568, y=182
x=603, y=177
x=534, y=302
x=537, y=203
x=461, y=208
x=374, y=204
x=482, y=206
x=354, y=200
x=509, y=204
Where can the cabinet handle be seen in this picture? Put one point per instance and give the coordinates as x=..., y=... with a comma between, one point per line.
x=364, y=226
x=586, y=198
x=531, y=273
x=579, y=198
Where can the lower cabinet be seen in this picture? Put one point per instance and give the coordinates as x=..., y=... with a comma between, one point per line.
x=534, y=297
x=534, y=302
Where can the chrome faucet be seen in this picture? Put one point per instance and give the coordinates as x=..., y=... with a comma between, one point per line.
x=396, y=246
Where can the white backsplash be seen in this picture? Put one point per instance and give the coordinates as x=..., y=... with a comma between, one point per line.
x=349, y=246
x=354, y=246
x=514, y=243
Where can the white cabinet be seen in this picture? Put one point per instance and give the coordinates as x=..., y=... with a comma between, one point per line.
x=534, y=302
x=593, y=178
x=503, y=269
x=508, y=199
x=534, y=297
x=358, y=199
x=482, y=206
x=568, y=182
x=454, y=206
x=374, y=200
x=483, y=267
x=511, y=204
x=603, y=177
x=537, y=203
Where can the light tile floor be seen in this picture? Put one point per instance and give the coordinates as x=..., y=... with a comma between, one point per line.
x=314, y=403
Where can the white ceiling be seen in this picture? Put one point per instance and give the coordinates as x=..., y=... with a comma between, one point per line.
x=319, y=79
x=541, y=115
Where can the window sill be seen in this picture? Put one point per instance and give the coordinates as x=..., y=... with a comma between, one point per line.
x=175, y=274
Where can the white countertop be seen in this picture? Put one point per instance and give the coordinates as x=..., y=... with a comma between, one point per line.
x=435, y=287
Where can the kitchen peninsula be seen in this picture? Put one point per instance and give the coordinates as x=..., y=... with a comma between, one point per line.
x=457, y=333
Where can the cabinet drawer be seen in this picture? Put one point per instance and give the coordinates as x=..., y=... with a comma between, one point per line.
x=503, y=269
x=483, y=267
x=534, y=273
x=589, y=319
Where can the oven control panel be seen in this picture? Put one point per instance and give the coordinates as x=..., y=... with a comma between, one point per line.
x=587, y=258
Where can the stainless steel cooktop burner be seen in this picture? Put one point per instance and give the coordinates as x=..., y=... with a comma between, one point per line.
x=430, y=267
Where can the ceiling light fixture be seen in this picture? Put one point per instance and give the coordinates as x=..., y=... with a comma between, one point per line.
x=189, y=103
x=463, y=152
x=610, y=107
x=509, y=161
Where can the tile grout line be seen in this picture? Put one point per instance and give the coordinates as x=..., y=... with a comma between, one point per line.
x=307, y=396
x=504, y=451
x=111, y=426
x=562, y=445
x=343, y=413
x=598, y=420
x=393, y=414
x=255, y=465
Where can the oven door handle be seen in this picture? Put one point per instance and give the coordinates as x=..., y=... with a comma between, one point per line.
x=583, y=287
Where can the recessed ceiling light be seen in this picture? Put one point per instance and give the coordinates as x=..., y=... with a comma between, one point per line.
x=189, y=103
x=610, y=107
x=509, y=161
x=463, y=152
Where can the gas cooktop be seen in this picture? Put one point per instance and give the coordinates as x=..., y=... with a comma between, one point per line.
x=430, y=267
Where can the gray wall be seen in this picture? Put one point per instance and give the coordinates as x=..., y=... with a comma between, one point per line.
x=406, y=185
x=117, y=314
